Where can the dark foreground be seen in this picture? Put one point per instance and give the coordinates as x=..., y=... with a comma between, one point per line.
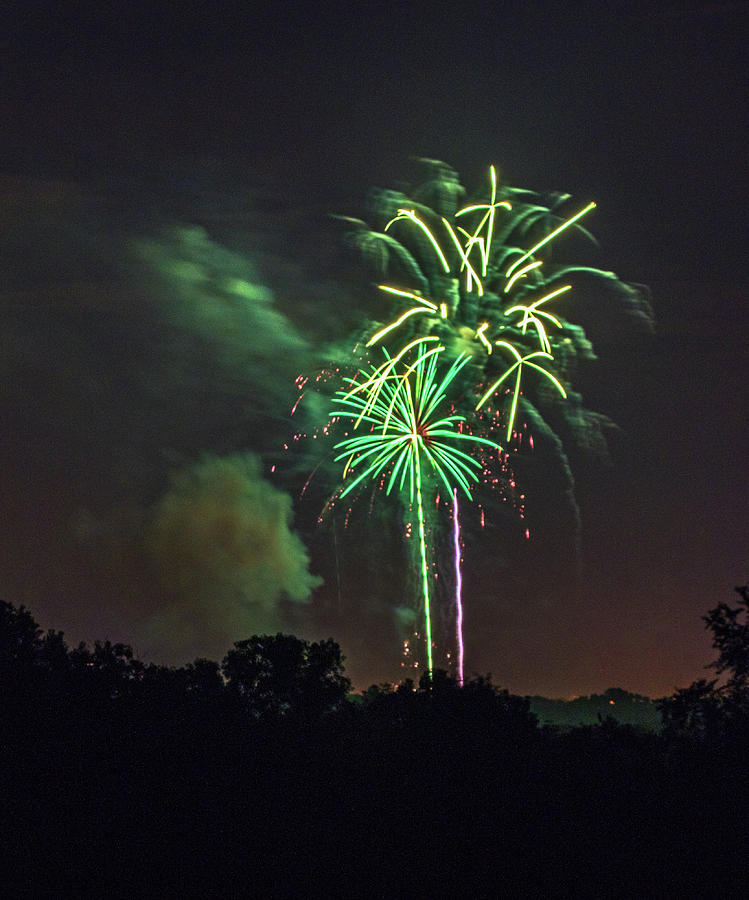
x=261, y=778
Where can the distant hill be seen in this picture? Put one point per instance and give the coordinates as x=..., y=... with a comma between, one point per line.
x=625, y=707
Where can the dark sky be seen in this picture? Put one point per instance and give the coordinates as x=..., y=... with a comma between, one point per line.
x=128, y=352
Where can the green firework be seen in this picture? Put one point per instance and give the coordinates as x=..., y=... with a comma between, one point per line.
x=486, y=279
x=400, y=409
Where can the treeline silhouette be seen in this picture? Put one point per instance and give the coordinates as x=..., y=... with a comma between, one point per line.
x=263, y=776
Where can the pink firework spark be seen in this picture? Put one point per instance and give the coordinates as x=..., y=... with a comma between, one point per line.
x=458, y=587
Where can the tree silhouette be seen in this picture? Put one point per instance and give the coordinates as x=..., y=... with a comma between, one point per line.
x=707, y=710
x=20, y=638
x=281, y=675
x=731, y=639
x=109, y=756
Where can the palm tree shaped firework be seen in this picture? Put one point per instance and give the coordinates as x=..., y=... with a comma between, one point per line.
x=470, y=283
x=474, y=277
x=407, y=434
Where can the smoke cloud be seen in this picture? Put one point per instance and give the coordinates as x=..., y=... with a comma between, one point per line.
x=146, y=371
x=224, y=554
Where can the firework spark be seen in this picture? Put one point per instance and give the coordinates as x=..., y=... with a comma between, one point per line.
x=517, y=367
x=517, y=265
x=466, y=283
x=407, y=438
x=458, y=586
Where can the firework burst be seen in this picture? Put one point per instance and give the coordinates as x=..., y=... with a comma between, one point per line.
x=406, y=436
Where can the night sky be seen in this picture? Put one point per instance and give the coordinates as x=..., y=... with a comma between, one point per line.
x=165, y=180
